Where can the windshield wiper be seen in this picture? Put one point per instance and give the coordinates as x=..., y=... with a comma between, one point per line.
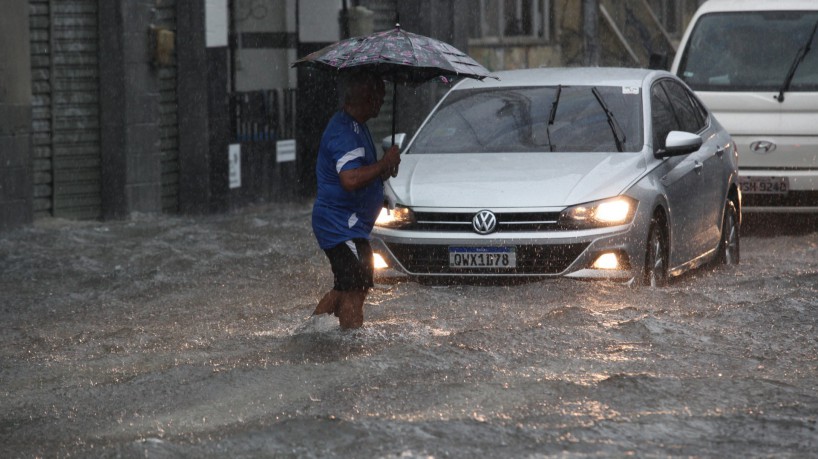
x=619, y=136
x=553, y=115
x=798, y=59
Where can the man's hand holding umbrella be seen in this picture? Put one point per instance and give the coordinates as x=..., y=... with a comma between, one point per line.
x=392, y=155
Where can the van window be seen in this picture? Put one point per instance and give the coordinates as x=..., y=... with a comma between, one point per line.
x=750, y=51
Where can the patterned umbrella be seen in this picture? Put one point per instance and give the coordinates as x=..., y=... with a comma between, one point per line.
x=397, y=56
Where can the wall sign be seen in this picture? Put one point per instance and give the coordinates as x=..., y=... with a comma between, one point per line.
x=285, y=151
x=216, y=26
x=234, y=159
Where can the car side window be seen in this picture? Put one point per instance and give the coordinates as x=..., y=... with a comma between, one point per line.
x=703, y=114
x=662, y=118
x=687, y=113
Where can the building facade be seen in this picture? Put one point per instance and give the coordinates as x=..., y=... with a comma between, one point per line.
x=110, y=107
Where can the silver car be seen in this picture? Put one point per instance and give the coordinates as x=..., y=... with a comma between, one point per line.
x=608, y=173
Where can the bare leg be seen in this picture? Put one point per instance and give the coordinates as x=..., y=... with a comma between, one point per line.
x=329, y=303
x=351, y=309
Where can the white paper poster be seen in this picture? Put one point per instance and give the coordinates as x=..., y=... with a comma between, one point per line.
x=285, y=151
x=216, y=27
x=234, y=158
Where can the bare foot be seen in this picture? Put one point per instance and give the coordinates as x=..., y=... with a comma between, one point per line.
x=329, y=304
x=351, y=309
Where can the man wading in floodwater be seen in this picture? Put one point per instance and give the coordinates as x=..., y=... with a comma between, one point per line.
x=350, y=197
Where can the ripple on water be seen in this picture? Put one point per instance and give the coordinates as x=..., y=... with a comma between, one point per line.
x=571, y=315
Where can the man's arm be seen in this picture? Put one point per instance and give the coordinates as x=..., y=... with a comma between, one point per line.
x=360, y=177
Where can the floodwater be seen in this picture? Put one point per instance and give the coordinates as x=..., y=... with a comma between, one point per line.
x=191, y=337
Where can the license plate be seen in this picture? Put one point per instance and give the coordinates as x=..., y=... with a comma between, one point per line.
x=482, y=257
x=764, y=185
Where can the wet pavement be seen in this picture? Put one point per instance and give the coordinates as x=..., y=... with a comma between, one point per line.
x=191, y=337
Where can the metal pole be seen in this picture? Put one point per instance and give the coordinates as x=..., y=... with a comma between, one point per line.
x=395, y=85
x=590, y=31
x=232, y=36
x=345, y=20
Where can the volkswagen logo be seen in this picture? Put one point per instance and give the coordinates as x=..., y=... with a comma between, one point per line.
x=484, y=222
x=762, y=146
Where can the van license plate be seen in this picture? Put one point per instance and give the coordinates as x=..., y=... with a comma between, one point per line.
x=482, y=257
x=764, y=185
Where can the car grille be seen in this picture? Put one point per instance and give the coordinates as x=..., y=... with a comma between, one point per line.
x=506, y=222
x=531, y=259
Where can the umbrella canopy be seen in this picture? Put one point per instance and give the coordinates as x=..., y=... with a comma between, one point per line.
x=396, y=55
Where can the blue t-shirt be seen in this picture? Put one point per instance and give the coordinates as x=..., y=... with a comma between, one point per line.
x=339, y=215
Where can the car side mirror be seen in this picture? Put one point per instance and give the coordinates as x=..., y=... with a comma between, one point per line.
x=680, y=143
x=399, y=139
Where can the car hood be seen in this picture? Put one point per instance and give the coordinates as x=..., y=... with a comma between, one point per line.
x=495, y=180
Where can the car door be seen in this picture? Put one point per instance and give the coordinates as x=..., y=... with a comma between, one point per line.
x=711, y=195
x=682, y=180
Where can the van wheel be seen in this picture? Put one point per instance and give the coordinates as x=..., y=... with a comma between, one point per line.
x=655, y=272
x=729, y=245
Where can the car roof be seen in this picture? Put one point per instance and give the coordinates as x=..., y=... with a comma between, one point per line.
x=567, y=76
x=712, y=6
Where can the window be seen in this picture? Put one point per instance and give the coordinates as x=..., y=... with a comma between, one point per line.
x=662, y=117
x=518, y=119
x=674, y=109
x=750, y=51
x=509, y=20
x=687, y=112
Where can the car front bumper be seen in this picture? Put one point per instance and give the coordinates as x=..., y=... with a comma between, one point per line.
x=420, y=254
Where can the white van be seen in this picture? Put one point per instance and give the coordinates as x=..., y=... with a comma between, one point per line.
x=754, y=63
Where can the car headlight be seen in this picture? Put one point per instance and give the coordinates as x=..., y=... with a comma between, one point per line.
x=598, y=214
x=395, y=218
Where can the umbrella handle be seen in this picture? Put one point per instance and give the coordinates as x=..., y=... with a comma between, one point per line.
x=394, y=109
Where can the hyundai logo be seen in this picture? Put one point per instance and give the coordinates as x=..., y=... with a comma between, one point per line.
x=484, y=222
x=762, y=146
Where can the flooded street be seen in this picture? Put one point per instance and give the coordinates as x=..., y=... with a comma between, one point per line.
x=191, y=337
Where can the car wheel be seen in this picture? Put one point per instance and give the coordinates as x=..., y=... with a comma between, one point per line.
x=729, y=246
x=655, y=273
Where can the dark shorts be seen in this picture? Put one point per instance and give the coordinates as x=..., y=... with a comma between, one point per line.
x=351, y=272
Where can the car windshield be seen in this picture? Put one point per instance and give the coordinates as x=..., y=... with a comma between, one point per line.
x=751, y=51
x=516, y=119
